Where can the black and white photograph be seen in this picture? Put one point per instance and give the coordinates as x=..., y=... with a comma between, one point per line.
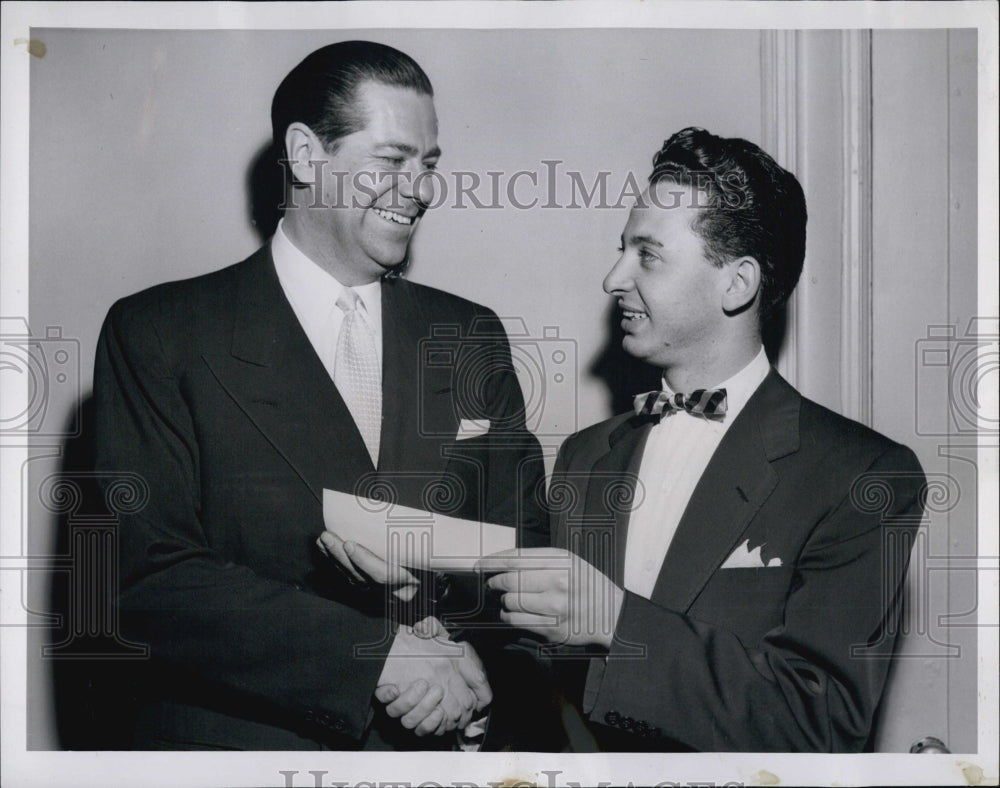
x=503, y=393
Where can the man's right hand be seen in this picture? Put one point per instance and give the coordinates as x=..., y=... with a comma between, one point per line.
x=432, y=685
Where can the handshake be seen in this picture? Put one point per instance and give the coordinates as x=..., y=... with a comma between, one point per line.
x=433, y=684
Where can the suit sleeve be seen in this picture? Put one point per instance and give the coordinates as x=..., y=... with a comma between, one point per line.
x=215, y=620
x=811, y=684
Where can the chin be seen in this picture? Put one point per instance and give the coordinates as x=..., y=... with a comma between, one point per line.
x=646, y=355
x=634, y=349
x=395, y=269
x=387, y=262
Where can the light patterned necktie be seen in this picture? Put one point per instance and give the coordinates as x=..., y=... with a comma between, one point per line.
x=356, y=370
x=708, y=403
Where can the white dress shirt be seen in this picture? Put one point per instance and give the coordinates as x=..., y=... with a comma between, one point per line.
x=313, y=294
x=675, y=456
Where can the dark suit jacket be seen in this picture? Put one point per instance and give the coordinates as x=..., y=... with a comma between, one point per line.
x=210, y=390
x=786, y=658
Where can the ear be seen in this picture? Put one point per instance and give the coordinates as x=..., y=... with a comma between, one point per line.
x=743, y=284
x=303, y=147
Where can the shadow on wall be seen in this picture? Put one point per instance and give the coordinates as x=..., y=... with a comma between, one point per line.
x=90, y=663
x=622, y=374
x=265, y=191
x=775, y=333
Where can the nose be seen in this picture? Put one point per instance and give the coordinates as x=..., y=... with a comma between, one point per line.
x=418, y=185
x=424, y=188
x=619, y=278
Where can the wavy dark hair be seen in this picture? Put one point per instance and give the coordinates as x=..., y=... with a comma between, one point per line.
x=747, y=205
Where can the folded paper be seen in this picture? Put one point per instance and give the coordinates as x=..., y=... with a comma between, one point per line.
x=413, y=537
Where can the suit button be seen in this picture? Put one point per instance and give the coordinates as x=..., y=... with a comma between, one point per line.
x=613, y=718
x=641, y=729
x=627, y=724
x=339, y=726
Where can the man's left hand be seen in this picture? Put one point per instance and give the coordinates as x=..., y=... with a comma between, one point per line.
x=363, y=565
x=555, y=594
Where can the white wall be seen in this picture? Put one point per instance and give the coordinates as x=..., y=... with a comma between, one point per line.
x=924, y=285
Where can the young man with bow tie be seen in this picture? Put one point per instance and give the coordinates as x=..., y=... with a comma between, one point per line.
x=730, y=556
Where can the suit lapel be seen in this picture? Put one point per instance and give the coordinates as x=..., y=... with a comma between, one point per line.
x=619, y=466
x=736, y=483
x=274, y=375
x=416, y=396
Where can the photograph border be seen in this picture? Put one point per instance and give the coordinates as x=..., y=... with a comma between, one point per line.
x=29, y=768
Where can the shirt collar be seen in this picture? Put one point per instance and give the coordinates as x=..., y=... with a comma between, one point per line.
x=314, y=288
x=741, y=386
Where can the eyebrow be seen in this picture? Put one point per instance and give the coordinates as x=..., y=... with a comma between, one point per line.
x=635, y=240
x=410, y=150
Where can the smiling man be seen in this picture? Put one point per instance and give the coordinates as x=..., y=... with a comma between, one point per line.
x=241, y=395
x=373, y=181
x=730, y=554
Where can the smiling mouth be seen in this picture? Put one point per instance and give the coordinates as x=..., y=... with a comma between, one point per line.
x=391, y=216
x=628, y=314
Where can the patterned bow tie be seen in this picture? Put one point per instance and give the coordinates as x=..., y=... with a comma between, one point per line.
x=708, y=403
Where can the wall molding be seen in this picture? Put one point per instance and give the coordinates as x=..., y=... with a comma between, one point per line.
x=779, y=78
x=856, y=335
x=786, y=135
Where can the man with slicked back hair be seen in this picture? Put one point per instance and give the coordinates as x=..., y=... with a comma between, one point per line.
x=243, y=394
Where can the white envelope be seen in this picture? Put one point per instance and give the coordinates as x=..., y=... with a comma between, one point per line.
x=471, y=428
x=745, y=558
x=413, y=537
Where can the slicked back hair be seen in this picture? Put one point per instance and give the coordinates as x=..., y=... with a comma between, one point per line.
x=321, y=91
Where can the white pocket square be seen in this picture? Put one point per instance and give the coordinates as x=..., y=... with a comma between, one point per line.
x=745, y=558
x=470, y=428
